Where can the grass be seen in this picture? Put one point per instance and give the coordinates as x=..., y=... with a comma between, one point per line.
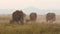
x=34, y=28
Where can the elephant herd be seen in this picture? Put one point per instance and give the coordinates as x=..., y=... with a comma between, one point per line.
x=18, y=16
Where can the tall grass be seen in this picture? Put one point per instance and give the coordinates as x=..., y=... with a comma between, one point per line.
x=35, y=28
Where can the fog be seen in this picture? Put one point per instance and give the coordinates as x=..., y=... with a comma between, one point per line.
x=28, y=6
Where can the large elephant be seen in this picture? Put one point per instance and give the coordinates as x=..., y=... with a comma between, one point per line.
x=18, y=16
x=33, y=16
x=50, y=17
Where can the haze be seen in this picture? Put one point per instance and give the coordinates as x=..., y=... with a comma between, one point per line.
x=52, y=5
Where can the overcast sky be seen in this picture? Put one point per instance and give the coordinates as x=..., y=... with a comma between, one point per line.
x=21, y=4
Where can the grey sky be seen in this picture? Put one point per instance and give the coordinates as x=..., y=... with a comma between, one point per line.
x=22, y=4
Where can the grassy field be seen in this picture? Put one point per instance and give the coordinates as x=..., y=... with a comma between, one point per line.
x=39, y=27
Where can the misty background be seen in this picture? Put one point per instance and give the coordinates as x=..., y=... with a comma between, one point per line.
x=41, y=7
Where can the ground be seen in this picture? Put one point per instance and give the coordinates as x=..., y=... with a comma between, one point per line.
x=39, y=27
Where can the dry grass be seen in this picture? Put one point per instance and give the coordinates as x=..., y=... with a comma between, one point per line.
x=35, y=28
